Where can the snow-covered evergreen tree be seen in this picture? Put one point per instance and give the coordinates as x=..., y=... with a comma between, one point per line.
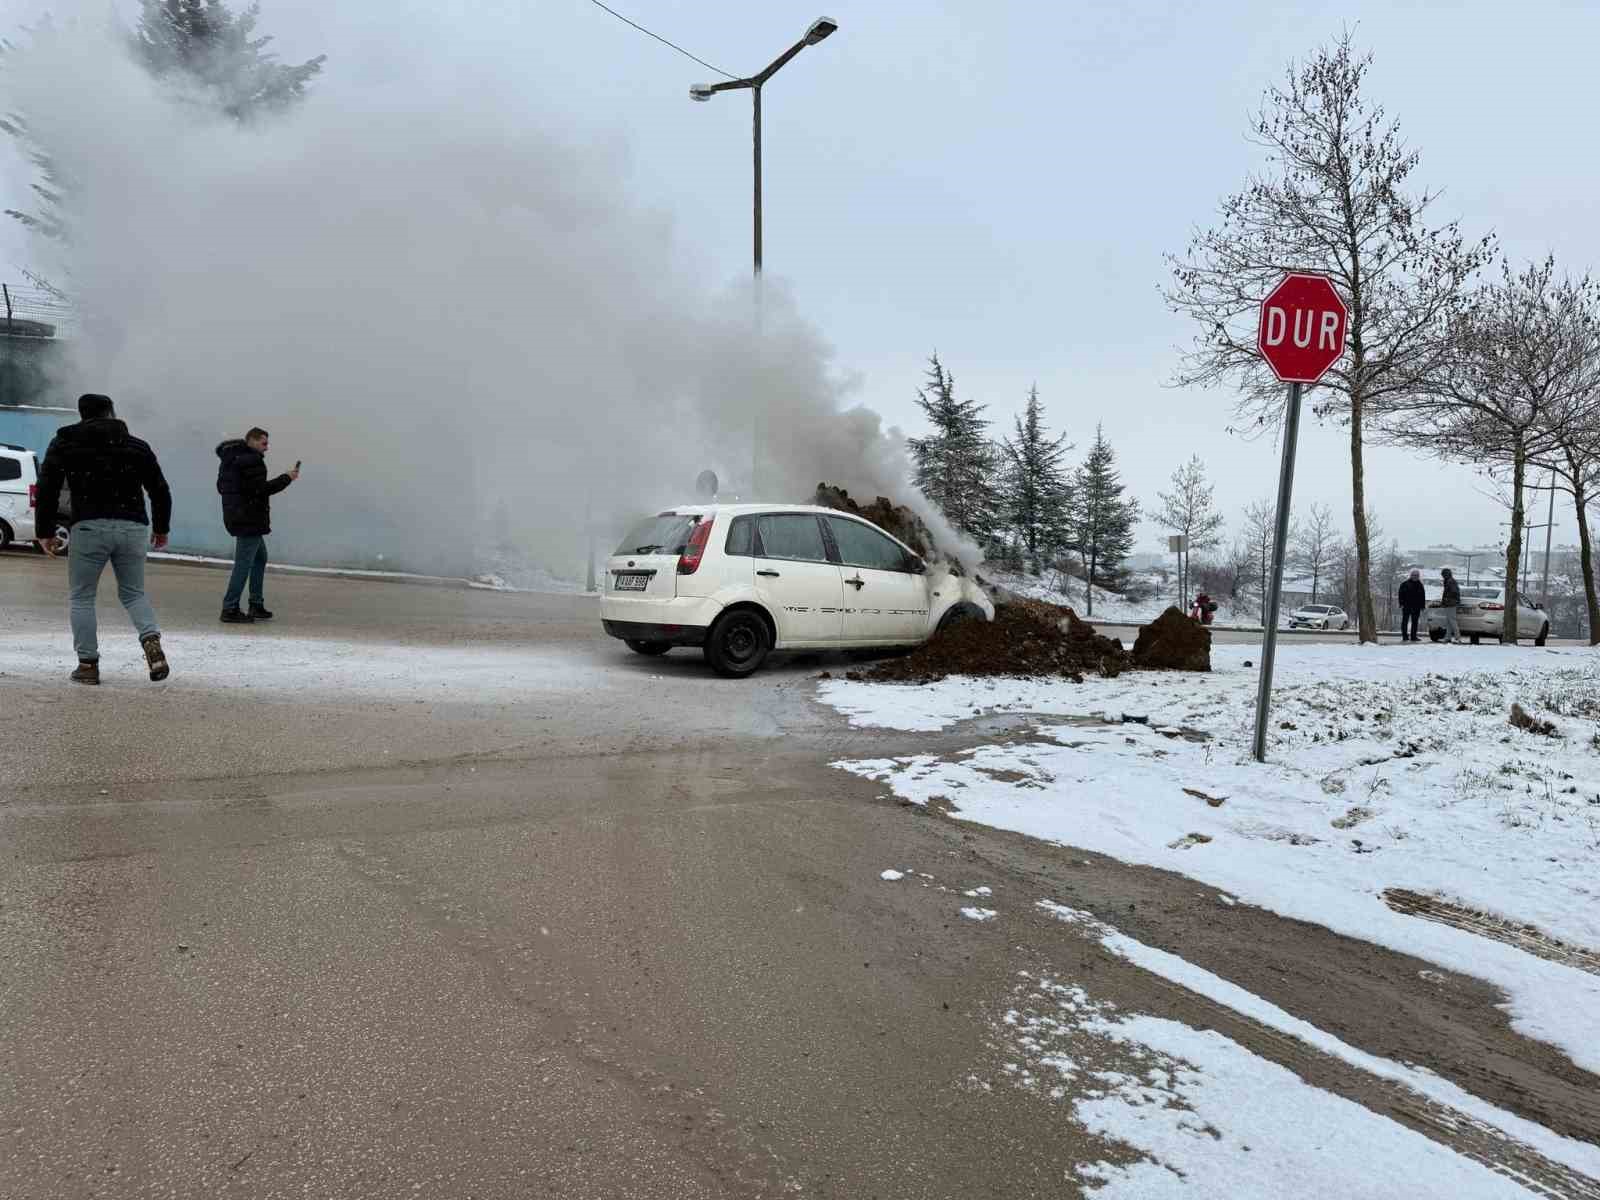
x=1036, y=488
x=1102, y=519
x=203, y=44
x=955, y=463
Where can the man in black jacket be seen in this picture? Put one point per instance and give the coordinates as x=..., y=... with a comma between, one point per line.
x=247, y=513
x=109, y=471
x=1413, y=599
x=1448, y=601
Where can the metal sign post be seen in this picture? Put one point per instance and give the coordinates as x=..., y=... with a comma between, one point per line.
x=1301, y=334
x=1177, y=543
x=1280, y=540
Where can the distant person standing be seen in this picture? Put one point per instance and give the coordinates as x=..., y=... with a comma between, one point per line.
x=1447, y=606
x=109, y=471
x=1413, y=599
x=247, y=514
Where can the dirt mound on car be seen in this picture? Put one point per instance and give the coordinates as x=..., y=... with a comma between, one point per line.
x=896, y=520
x=1028, y=638
x=1173, y=642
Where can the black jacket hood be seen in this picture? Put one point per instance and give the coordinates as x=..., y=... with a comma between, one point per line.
x=231, y=446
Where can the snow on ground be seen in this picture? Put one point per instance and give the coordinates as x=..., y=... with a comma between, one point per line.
x=1207, y=1117
x=1391, y=767
x=287, y=668
x=503, y=579
x=1577, y=1155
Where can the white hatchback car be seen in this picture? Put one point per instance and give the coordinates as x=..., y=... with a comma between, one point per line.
x=742, y=580
x=19, y=494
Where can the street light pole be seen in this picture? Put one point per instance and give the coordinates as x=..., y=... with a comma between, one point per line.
x=818, y=30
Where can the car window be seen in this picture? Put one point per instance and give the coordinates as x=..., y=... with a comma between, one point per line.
x=665, y=533
x=741, y=537
x=862, y=546
x=10, y=468
x=795, y=536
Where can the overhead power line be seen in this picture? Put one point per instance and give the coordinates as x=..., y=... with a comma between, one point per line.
x=663, y=40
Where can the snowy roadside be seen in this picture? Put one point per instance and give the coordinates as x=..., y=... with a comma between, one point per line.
x=1393, y=768
x=504, y=579
x=288, y=669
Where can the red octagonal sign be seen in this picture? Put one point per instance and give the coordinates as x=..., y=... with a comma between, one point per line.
x=1302, y=330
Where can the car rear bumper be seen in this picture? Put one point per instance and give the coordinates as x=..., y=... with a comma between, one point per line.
x=1471, y=620
x=648, y=631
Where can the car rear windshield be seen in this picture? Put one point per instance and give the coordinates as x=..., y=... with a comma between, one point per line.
x=665, y=533
x=1480, y=593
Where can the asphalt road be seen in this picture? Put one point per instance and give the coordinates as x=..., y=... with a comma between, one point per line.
x=594, y=926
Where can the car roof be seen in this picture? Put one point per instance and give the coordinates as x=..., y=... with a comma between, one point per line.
x=739, y=510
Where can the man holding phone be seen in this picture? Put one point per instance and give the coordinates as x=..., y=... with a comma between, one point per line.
x=247, y=514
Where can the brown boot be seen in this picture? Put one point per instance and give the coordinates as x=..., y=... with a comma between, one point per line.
x=87, y=672
x=152, y=655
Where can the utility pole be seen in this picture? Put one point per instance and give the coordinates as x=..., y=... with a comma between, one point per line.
x=819, y=29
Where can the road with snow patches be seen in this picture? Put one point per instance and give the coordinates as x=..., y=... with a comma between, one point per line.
x=436, y=891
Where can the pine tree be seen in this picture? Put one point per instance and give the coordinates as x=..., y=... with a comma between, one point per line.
x=200, y=44
x=1102, y=520
x=1036, y=487
x=955, y=464
x=203, y=43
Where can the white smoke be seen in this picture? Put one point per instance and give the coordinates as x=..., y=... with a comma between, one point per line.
x=465, y=326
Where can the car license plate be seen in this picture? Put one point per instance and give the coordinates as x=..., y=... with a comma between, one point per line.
x=632, y=583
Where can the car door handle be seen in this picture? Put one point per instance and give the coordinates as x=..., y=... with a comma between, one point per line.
x=858, y=583
x=768, y=574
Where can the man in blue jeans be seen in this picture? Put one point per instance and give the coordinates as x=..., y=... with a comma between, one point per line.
x=109, y=471
x=247, y=514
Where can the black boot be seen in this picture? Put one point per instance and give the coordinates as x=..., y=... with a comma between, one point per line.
x=259, y=612
x=87, y=672
x=155, y=657
x=232, y=616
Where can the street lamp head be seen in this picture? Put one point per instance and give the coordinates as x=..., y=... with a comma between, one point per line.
x=820, y=28
x=700, y=91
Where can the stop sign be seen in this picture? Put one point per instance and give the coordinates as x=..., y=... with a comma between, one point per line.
x=1303, y=324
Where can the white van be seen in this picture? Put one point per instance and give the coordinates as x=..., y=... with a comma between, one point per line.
x=740, y=580
x=19, y=494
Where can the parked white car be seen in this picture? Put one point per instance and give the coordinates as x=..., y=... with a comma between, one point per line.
x=1482, y=613
x=1319, y=616
x=742, y=580
x=19, y=494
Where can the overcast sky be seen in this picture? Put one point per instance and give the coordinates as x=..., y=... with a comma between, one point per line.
x=1000, y=181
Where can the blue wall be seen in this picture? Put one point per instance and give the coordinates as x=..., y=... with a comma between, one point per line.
x=33, y=427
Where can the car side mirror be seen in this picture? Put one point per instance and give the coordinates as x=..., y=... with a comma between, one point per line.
x=915, y=565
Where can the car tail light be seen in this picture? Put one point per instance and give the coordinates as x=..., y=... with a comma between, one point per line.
x=33, y=495
x=1489, y=607
x=694, y=551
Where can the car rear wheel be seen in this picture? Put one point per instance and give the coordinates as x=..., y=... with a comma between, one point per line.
x=5, y=535
x=1544, y=634
x=1436, y=635
x=738, y=643
x=1473, y=638
x=649, y=649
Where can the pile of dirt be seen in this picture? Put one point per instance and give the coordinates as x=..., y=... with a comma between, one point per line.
x=1173, y=642
x=1028, y=638
x=896, y=520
